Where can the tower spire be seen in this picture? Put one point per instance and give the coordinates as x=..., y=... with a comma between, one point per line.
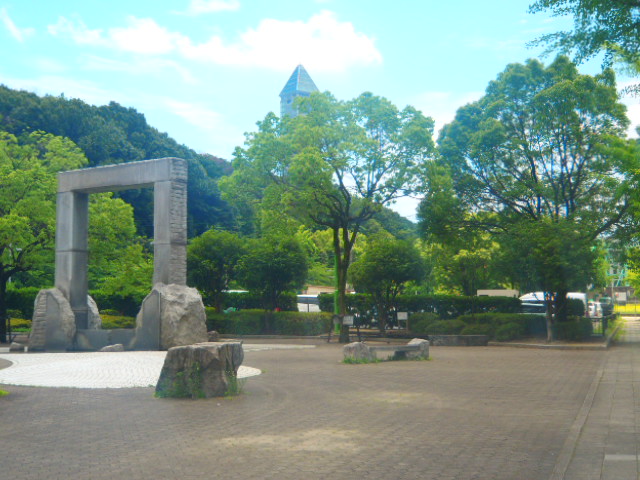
x=298, y=85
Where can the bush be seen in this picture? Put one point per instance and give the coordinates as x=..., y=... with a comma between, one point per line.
x=125, y=305
x=22, y=299
x=109, y=322
x=445, y=306
x=420, y=322
x=530, y=325
x=478, y=329
x=445, y=327
x=20, y=324
x=259, y=322
x=509, y=331
x=574, y=329
x=288, y=302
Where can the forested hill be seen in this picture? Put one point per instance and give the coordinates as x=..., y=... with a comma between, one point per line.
x=115, y=134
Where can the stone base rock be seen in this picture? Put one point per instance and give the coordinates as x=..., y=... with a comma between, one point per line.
x=53, y=326
x=171, y=315
x=423, y=353
x=213, y=336
x=118, y=347
x=94, y=321
x=203, y=370
x=16, y=347
x=358, y=351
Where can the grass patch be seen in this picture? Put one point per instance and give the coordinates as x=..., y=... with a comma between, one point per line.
x=359, y=361
x=235, y=385
x=3, y=393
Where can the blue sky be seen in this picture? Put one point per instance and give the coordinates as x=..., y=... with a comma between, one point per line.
x=205, y=71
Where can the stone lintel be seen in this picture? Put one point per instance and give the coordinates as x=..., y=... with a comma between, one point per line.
x=125, y=176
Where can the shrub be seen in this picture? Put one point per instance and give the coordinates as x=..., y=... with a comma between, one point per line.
x=109, y=322
x=125, y=305
x=20, y=324
x=531, y=325
x=574, y=329
x=259, y=322
x=445, y=327
x=445, y=306
x=22, y=299
x=478, y=329
x=509, y=331
x=420, y=322
x=288, y=302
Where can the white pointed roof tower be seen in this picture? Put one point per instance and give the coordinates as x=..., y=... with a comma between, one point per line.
x=298, y=85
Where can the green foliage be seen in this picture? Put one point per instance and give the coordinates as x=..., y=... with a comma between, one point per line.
x=125, y=303
x=419, y=323
x=110, y=322
x=271, y=267
x=445, y=327
x=3, y=393
x=258, y=322
x=359, y=361
x=235, y=385
x=22, y=299
x=212, y=259
x=20, y=324
x=251, y=300
x=478, y=329
x=509, y=331
x=187, y=384
x=334, y=167
x=574, y=329
x=383, y=270
x=112, y=134
x=608, y=26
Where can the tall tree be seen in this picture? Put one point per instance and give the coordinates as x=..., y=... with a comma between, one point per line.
x=383, y=270
x=28, y=187
x=543, y=143
x=212, y=261
x=334, y=166
x=608, y=26
x=271, y=267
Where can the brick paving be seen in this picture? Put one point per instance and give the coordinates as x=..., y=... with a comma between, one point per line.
x=469, y=413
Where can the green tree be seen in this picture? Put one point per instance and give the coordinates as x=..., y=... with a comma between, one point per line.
x=608, y=26
x=212, y=260
x=28, y=188
x=334, y=167
x=543, y=143
x=383, y=271
x=271, y=267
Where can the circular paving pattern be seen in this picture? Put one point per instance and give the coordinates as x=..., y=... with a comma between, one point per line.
x=89, y=369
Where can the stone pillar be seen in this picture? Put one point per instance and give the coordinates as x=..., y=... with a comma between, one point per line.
x=72, y=252
x=170, y=227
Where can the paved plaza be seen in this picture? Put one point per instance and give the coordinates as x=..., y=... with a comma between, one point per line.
x=468, y=413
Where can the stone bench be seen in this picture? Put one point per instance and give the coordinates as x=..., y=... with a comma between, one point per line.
x=417, y=348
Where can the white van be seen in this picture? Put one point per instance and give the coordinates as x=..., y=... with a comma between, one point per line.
x=534, y=302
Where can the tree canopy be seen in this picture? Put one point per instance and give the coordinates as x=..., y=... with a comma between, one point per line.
x=333, y=166
x=608, y=26
x=543, y=144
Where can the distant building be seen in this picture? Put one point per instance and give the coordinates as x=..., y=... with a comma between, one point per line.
x=298, y=85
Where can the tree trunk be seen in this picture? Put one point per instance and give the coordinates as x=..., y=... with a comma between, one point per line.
x=548, y=301
x=3, y=309
x=561, y=305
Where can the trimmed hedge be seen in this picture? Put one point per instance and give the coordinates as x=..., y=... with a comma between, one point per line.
x=110, y=322
x=128, y=305
x=251, y=300
x=22, y=299
x=259, y=322
x=500, y=326
x=574, y=329
x=445, y=306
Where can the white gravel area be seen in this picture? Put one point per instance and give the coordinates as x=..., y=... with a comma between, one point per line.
x=99, y=369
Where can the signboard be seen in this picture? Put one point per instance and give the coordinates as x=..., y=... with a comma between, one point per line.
x=403, y=316
x=347, y=320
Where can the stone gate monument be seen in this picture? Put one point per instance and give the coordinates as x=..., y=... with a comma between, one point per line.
x=171, y=315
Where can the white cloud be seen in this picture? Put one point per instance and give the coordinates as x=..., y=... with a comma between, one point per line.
x=20, y=34
x=144, y=35
x=145, y=66
x=77, y=31
x=322, y=43
x=197, y=7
